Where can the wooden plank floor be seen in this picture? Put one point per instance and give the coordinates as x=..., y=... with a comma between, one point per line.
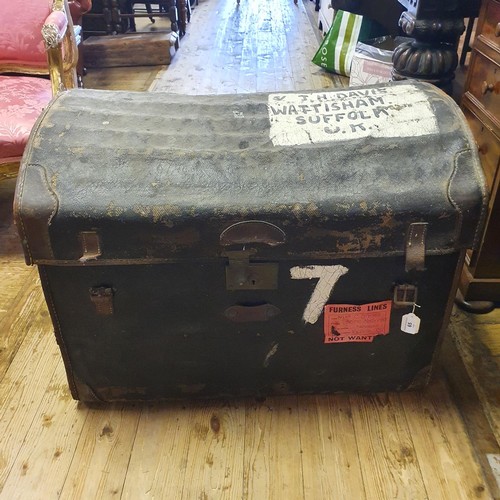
x=259, y=46
x=383, y=446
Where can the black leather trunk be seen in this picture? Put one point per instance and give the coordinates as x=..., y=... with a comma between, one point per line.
x=214, y=246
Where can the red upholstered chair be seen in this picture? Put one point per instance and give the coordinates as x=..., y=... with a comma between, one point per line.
x=38, y=56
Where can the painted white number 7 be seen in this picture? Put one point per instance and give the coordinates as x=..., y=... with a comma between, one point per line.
x=328, y=276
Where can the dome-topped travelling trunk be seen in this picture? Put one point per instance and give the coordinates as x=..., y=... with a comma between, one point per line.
x=249, y=245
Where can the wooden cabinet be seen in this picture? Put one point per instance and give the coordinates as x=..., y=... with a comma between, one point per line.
x=481, y=105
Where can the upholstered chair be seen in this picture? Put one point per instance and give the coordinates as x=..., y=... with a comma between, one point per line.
x=38, y=55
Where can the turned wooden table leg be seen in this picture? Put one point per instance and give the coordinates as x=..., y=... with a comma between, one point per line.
x=183, y=16
x=436, y=27
x=171, y=8
x=149, y=10
x=125, y=8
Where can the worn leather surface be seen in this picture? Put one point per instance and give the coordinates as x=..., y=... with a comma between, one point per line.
x=161, y=176
x=219, y=304
x=170, y=336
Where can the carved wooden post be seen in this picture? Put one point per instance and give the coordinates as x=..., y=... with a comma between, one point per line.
x=106, y=11
x=170, y=6
x=436, y=26
x=183, y=15
x=116, y=16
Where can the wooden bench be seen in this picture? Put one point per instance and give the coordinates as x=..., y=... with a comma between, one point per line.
x=131, y=49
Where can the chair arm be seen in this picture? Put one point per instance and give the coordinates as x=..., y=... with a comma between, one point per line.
x=54, y=28
x=60, y=41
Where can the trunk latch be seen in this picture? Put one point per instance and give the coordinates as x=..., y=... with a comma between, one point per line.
x=102, y=298
x=241, y=274
x=405, y=295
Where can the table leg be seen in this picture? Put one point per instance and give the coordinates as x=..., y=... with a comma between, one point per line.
x=432, y=55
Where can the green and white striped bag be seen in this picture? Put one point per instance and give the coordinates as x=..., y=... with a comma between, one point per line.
x=337, y=49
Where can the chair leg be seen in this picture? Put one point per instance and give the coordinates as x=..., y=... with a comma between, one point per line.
x=172, y=13
x=149, y=10
x=468, y=34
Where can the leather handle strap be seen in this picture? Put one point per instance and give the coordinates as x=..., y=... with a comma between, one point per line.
x=91, y=246
x=415, y=247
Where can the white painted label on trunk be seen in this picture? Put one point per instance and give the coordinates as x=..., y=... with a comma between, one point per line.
x=328, y=276
x=310, y=118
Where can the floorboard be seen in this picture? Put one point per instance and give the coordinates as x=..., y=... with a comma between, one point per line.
x=330, y=462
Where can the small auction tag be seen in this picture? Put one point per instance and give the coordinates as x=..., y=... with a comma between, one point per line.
x=410, y=323
x=356, y=323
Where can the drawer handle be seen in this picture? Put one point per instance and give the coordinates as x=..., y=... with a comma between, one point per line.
x=497, y=30
x=482, y=149
x=487, y=87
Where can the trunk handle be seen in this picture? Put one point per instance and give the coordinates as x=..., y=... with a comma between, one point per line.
x=251, y=314
x=252, y=231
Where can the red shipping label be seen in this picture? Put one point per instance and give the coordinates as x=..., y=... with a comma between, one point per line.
x=356, y=323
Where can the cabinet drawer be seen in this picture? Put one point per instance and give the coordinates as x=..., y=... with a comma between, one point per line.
x=491, y=26
x=485, y=84
x=488, y=146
